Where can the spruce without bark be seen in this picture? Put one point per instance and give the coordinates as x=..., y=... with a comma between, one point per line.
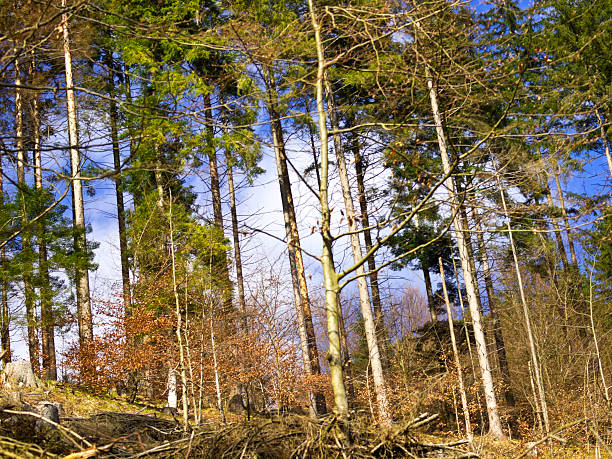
x=495, y=428
x=80, y=242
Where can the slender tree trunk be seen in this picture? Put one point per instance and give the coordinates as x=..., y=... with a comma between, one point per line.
x=179, y=334
x=451, y=329
x=604, y=139
x=570, y=238
x=5, y=335
x=429, y=291
x=123, y=245
x=172, y=393
x=532, y=345
x=49, y=362
x=381, y=330
x=557, y=230
x=330, y=277
x=216, y=371
x=495, y=428
x=26, y=243
x=374, y=347
x=215, y=189
x=236, y=238
x=80, y=241
x=500, y=346
x=310, y=353
x=470, y=251
x=346, y=357
x=329, y=273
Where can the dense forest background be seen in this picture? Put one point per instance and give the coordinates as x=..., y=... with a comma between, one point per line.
x=374, y=208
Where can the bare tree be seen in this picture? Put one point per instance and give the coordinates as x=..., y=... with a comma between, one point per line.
x=78, y=209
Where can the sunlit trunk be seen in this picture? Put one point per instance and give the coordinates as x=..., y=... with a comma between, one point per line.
x=451, y=329
x=374, y=347
x=308, y=343
x=532, y=346
x=500, y=346
x=78, y=210
x=495, y=428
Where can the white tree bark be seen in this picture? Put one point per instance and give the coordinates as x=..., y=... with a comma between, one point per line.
x=495, y=428
x=451, y=329
x=172, y=396
x=82, y=276
x=532, y=347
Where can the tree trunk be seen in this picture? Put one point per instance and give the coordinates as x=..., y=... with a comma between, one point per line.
x=470, y=251
x=532, y=346
x=604, y=139
x=215, y=189
x=123, y=246
x=374, y=347
x=310, y=353
x=179, y=334
x=78, y=210
x=451, y=329
x=5, y=335
x=557, y=230
x=429, y=292
x=500, y=346
x=236, y=238
x=381, y=330
x=495, y=428
x=570, y=239
x=329, y=273
x=26, y=243
x=47, y=319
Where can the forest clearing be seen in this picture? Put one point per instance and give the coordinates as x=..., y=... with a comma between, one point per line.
x=271, y=228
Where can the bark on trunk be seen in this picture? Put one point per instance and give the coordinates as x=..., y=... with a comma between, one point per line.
x=123, y=246
x=495, y=428
x=451, y=329
x=570, y=238
x=5, y=336
x=329, y=273
x=179, y=333
x=532, y=346
x=26, y=244
x=49, y=362
x=80, y=241
x=429, y=292
x=381, y=330
x=215, y=189
x=555, y=223
x=310, y=353
x=500, y=346
x=376, y=351
x=236, y=238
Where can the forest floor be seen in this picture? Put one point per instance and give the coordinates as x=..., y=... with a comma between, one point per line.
x=106, y=426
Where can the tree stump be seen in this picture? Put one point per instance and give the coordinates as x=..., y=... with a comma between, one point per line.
x=20, y=374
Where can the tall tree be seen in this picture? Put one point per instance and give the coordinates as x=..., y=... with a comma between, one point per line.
x=84, y=314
